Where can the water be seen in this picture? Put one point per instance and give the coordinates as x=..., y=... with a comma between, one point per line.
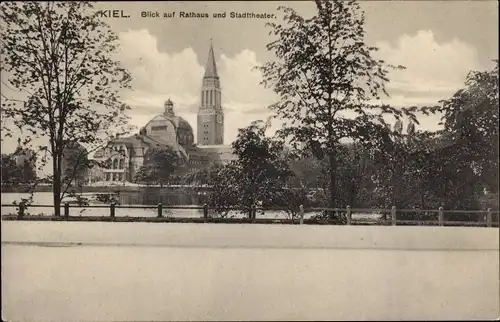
x=45, y=198
x=141, y=271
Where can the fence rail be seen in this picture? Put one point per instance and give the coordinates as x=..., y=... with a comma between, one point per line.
x=392, y=216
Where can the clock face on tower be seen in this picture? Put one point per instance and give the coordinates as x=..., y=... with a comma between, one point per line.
x=219, y=118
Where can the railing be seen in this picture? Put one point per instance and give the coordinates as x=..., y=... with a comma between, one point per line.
x=393, y=216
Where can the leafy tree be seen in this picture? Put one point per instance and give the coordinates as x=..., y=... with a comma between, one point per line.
x=308, y=172
x=61, y=55
x=159, y=166
x=325, y=76
x=202, y=176
x=470, y=119
x=354, y=175
x=257, y=177
x=451, y=167
x=11, y=174
x=75, y=164
x=402, y=171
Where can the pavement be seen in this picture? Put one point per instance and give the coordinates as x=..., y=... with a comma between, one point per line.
x=145, y=271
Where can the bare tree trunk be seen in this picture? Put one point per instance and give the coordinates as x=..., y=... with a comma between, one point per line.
x=56, y=187
x=333, y=177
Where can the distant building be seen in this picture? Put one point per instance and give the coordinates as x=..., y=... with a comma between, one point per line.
x=126, y=155
x=210, y=113
x=74, y=163
x=25, y=160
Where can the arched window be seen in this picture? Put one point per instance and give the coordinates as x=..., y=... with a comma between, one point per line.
x=115, y=164
x=122, y=163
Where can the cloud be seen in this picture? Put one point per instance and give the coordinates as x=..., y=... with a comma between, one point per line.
x=241, y=83
x=158, y=76
x=434, y=70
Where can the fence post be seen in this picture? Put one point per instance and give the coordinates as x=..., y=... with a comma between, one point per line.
x=301, y=214
x=21, y=210
x=440, y=216
x=348, y=215
x=66, y=210
x=205, y=212
x=160, y=210
x=488, y=217
x=112, y=209
x=393, y=215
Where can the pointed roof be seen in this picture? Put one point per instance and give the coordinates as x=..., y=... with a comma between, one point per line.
x=211, y=67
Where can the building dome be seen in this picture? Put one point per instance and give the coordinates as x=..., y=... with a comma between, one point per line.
x=185, y=133
x=169, y=108
x=169, y=128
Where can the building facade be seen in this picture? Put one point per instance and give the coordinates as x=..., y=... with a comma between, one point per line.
x=125, y=156
x=210, y=112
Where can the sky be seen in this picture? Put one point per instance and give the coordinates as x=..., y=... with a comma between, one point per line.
x=438, y=42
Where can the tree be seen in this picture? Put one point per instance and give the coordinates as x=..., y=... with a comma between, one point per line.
x=75, y=164
x=202, y=176
x=258, y=176
x=470, y=119
x=61, y=55
x=465, y=154
x=325, y=76
x=11, y=174
x=403, y=170
x=159, y=166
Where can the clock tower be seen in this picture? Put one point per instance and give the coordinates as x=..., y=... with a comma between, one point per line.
x=210, y=114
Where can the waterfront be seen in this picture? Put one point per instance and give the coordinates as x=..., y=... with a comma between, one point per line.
x=121, y=271
x=45, y=198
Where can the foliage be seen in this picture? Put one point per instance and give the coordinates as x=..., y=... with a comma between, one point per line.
x=470, y=119
x=61, y=55
x=11, y=173
x=75, y=164
x=325, y=76
x=257, y=177
x=354, y=174
x=159, y=166
x=19, y=167
x=450, y=168
x=202, y=176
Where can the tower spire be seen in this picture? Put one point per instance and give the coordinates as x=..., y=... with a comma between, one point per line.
x=211, y=68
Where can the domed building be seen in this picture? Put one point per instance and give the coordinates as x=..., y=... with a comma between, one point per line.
x=126, y=155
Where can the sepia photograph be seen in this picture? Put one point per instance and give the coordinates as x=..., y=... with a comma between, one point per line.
x=315, y=160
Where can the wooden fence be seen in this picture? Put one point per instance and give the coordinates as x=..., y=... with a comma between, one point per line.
x=346, y=216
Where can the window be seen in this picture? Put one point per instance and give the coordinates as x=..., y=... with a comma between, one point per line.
x=115, y=164
x=108, y=176
x=159, y=128
x=122, y=164
x=211, y=98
